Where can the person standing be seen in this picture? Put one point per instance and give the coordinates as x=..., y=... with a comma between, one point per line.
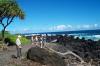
x=18, y=46
x=36, y=40
x=41, y=41
x=44, y=40
x=32, y=39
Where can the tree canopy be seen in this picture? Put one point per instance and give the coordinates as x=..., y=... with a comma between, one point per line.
x=9, y=9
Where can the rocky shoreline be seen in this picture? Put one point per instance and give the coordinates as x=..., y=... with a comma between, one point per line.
x=7, y=60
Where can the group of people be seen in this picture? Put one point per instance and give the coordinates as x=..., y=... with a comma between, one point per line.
x=39, y=40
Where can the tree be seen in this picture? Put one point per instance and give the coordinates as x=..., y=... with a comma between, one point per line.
x=9, y=10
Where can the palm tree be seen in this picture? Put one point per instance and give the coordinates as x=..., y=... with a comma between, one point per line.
x=9, y=9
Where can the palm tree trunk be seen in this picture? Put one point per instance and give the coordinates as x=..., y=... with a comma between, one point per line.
x=3, y=36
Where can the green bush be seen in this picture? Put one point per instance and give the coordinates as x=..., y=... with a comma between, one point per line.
x=24, y=40
x=11, y=38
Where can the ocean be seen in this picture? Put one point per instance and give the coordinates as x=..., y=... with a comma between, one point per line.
x=87, y=34
x=93, y=37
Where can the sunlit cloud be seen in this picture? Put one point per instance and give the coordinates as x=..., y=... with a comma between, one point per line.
x=95, y=25
x=76, y=27
x=86, y=26
x=25, y=29
x=81, y=27
x=60, y=27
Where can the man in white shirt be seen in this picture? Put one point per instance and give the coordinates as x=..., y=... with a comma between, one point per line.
x=18, y=46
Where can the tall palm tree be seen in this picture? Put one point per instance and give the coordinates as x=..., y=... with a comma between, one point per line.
x=9, y=9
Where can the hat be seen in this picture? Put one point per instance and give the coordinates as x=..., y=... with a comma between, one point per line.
x=19, y=36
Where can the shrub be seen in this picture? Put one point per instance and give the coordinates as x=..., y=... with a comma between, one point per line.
x=12, y=39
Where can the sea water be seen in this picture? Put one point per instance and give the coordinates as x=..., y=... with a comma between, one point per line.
x=92, y=37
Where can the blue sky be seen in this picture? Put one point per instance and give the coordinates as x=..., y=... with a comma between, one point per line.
x=57, y=15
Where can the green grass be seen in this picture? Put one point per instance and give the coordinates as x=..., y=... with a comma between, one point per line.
x=23, y=39
x=13, y=38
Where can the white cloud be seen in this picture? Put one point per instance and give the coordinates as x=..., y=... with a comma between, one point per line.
x=25, y=29
x=86, y=26
x=80, y=27
x=96, y=25
x=60, y=27
x=76, y=27
x=6, y=30
x=13, y=30
x=69, y=26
